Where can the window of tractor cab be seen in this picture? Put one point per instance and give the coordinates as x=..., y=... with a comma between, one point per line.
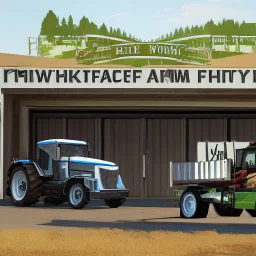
x=67, y=150
x=45, y=162
x=250, y=159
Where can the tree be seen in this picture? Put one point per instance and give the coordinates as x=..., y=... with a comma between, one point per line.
x=70, y=26
x=181, y=32
x=83, y=26
x=103, y=30
x=111, y=31
x=226, y=27
x=118, y=32
x=187, y=31
x=176, y=33
x=50, y=26
x=124, y=34
x=64, y=28
x=93, y=29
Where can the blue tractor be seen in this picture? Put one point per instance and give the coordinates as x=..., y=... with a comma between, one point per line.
x=64, y=172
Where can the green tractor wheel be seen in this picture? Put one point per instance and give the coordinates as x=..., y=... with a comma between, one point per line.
x=227, y=211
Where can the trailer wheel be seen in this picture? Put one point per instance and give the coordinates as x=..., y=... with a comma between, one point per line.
x=26, y=186
x=77, y=196
x=252, y=212
x=114, y=203
x=192, y=206
x=227, y=211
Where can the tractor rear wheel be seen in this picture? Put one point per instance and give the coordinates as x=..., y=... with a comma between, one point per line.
x=227, y=211
x=114, y=203
x=26, y=186
x=192, y=206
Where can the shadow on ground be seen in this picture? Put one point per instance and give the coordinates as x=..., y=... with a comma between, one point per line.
x=157, y=226
x=101, y=204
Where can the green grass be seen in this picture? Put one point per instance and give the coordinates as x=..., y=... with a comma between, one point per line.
x=220, y=54
x=69, y=54
x=58, y=56
x=43, y=51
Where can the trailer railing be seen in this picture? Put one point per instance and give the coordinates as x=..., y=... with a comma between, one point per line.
x=193, y=172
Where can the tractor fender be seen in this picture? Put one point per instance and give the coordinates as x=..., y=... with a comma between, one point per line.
x=23, y=163
x=70, y=182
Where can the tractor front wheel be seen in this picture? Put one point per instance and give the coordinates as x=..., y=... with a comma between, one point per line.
x=77, y=196
x=26, y=186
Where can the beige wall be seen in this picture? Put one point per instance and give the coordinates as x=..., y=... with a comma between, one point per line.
x=7, y=139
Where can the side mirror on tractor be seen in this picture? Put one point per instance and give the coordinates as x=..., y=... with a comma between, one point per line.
x=89, y=150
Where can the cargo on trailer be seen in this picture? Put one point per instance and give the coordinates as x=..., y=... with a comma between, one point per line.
x=200, y=171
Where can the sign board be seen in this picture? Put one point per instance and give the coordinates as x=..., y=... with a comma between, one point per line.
x=93, y=43
x=196, y=44
x=163, y=51
x=129, y=78
x=212, y=151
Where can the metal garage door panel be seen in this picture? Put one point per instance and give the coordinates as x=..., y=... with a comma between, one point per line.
x=205, y=130
x=123, y=146
x=243, y=129
x=165, y=144
x=47, y=128
x=82, y=129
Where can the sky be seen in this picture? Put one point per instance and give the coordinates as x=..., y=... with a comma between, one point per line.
x=146, y=19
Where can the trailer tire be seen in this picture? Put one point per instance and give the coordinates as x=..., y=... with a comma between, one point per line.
x=26, y=186
x=252, y=212
x=199, y=209
x=227, y=211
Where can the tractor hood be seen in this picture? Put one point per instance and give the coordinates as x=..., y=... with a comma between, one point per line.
x=92, y=161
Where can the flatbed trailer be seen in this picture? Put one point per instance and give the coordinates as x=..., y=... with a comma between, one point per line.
x=221, y=182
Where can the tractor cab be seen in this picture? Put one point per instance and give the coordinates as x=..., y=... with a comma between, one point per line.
x=53, y=156
x=246, y=158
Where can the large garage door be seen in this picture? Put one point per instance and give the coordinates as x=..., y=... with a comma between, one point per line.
x=123, y=145
x=49, y=128
x=204, y=130
x=83, y=129
x=165, y=144
x=243, y=129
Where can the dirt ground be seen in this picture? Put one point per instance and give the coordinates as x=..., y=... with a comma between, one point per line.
x=128, y=217
x=128, y=230
x=107, y=242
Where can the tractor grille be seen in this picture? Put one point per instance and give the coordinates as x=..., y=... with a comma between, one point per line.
x=109, y=178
